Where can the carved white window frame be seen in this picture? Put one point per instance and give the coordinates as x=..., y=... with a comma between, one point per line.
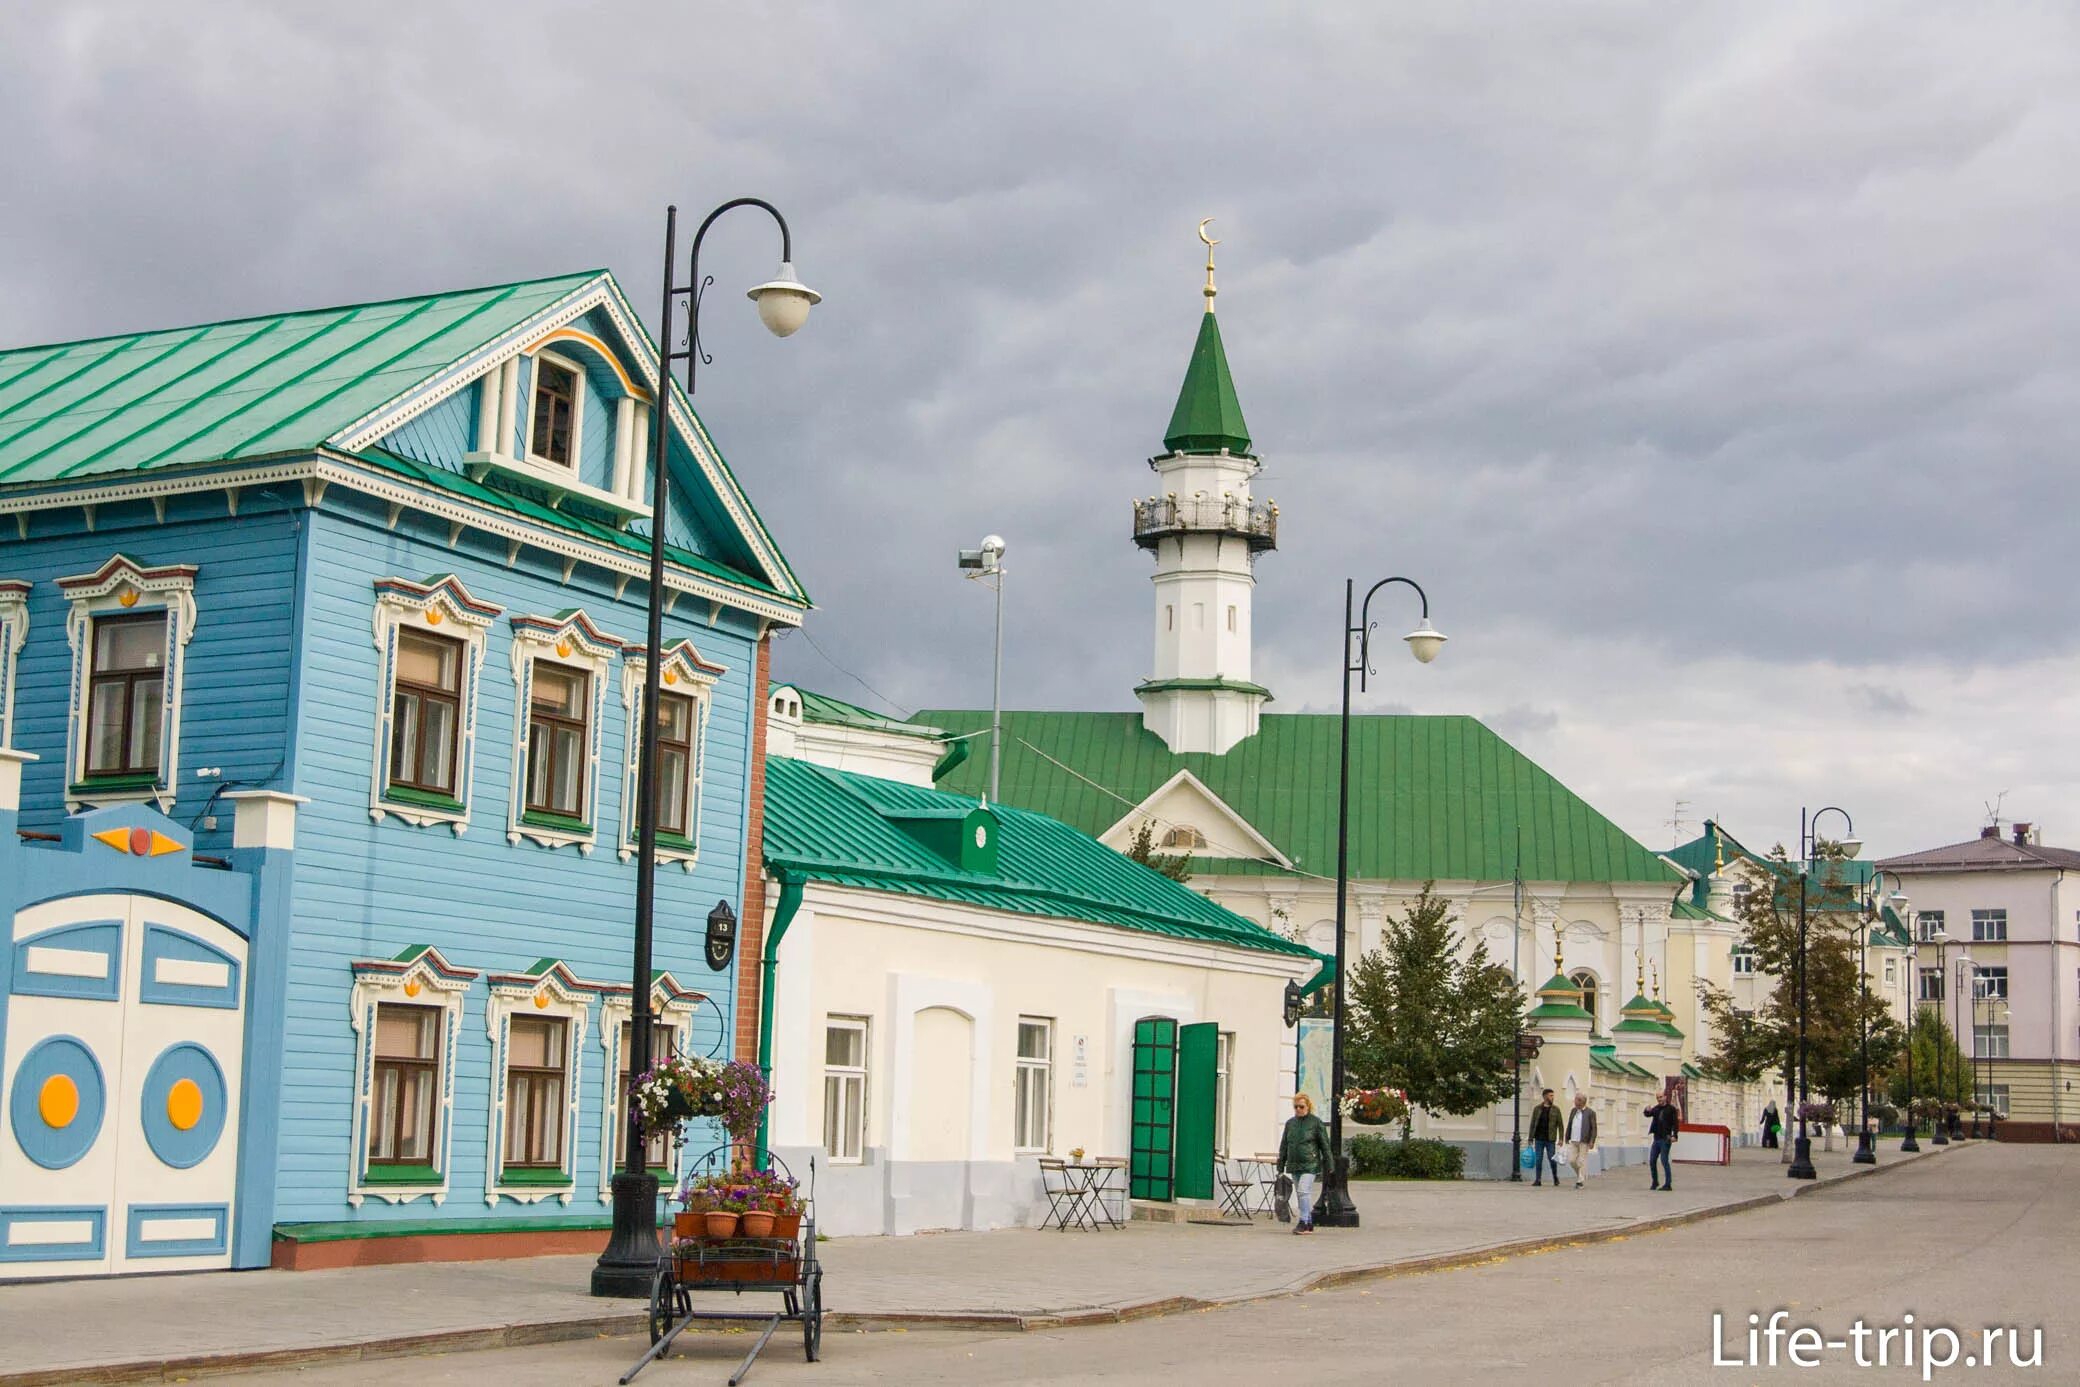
x=14, y=630
x=418, y=977
x=671, y=1003
x=441, y=606
x=569, y=639
x=120, y=587
x=549, y=989
x=684, y=673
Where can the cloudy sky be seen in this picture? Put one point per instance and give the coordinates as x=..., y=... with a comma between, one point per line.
x=1716, y=368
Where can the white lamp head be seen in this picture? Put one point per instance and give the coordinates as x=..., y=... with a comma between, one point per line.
x=1850, y=846
x=1424, y=642
x=784, y=301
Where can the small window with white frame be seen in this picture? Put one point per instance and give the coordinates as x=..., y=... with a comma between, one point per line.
x=1927, y=924
x=560, y=665
x=407, y=1018
x=845, y=1089
x=536, y=1021
x=1223, y=1090
x=1033, y=1095
x=1990, y=926
x=1993, y=1096
x=556, y=414
x=1931, y=985
x=430, y=641
x=1991, y=982
x=1990, y=1042
x=129, y=629
x=14, y=633
x=1891, y=972
x=1743, y=961
x=683, y=696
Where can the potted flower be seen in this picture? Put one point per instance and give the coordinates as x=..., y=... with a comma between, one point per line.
x=739, y=1097
x=1374, y=1107
x=1076, y=1154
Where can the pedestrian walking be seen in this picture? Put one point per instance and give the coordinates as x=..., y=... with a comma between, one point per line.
x=1581, y=1136
x=1663, y=1121
x=1547, y=1123
x=1771, y=1125
x=1303, y=1153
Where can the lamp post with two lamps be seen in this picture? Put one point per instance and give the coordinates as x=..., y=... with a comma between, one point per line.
x=1911, y=1143
x=1335, y=1209
x=986, y=565
x=1873, y=905
x=1801, y=1167
x=630, y=1260
x=1941, y=939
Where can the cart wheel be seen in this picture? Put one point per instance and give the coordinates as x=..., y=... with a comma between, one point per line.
x=663, y=1291
x=812, y=1314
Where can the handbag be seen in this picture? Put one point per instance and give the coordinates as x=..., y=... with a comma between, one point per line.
x=1282, y=1197
x=1527, y=1159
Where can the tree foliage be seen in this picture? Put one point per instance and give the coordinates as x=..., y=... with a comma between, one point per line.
x=1839, y=1002
x=1933, y=1041
x=1177, y=867
x=1432, y=1016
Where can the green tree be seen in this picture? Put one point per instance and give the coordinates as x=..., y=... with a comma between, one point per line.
x=1839, y=1003
x=1431, y=1015
x=1143, y=850
x=1933, y=1041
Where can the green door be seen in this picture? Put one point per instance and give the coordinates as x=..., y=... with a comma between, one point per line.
x=1155, y=1094
x=1195, y=1100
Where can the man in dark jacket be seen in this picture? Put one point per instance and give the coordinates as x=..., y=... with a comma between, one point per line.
x=1662, y=1121
x=1546, y=1122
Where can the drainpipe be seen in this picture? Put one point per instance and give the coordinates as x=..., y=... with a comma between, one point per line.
x=783, y=915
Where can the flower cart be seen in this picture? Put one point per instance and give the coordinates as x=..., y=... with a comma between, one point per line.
x=741, y=1222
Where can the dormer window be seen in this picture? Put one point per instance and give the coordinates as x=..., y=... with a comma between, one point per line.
x=1184, y=836
x=552, y=434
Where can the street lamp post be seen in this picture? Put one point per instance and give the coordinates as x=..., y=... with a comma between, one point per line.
x=626, y=1267
x=1913, y=1011
x=1801, y=1167
x=1969, y=968
x=987, y=565
x=1866, y=1140
x=1335, y=1209
x=1941, y=939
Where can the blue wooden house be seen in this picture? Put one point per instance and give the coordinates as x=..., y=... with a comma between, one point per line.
x=319, y=671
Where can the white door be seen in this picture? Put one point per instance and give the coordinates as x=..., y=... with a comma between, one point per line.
x=125, y=1023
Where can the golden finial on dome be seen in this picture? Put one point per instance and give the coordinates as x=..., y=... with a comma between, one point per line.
x=1211, y=242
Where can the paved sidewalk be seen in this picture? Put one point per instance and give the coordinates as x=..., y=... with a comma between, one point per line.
x=162, y=1328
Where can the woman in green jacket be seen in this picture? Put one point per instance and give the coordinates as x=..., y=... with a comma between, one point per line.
x=1303, y=1153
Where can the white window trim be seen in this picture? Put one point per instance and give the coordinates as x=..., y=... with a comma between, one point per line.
x=14, y=630
x=553, y=992
x=1988, y=917
x=578, y=392
x=671, y=1003
x=573, y=641
x=426, y=979
x=444, y=607
x=685, y=672
x=118, y=587
x=1019, y=1065
x=865, y=1071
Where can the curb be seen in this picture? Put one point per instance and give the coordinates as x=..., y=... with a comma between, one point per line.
x=522, y=1335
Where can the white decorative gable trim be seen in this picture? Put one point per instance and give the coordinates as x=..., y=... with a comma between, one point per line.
x=14, y=630
x=547, y=989
x=119, y=586
x=685, y=672
x=672, y=1004
x=569, y=639
x=419, y=976
x=443, y=606
x=1240, y=833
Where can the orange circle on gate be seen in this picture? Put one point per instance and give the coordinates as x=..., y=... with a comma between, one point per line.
x=57, y=1102
x=184, y=1104
x=140, y=842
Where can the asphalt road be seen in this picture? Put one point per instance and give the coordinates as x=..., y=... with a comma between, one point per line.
x=1988, y=1236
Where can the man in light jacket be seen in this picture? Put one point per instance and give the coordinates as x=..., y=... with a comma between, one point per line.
x=1581, y=1136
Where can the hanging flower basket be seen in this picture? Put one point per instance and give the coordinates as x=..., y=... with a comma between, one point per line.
x=1374, y=1107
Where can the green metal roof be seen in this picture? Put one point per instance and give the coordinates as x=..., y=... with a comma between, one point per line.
x=251, y=387
x=847, y=829
x=1433, y=798
x=1208, y=417
x=823, y=708
x=1701, y=855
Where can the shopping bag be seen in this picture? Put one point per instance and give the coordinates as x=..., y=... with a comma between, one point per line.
x=1282, y=1198
x=1528, y=1158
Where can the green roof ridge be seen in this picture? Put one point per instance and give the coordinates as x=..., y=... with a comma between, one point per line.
x=1208, y=417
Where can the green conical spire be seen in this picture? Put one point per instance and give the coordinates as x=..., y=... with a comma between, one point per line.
x=1208, y=417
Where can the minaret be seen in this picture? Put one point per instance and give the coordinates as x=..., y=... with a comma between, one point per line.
x=1205, y=533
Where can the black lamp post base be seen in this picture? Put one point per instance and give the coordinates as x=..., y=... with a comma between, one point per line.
x=1939, y=1137
x=1801, y=1167
x=1334, y=1209
x=626, y=1269
x=1866, y=1150
x=1910, y=1144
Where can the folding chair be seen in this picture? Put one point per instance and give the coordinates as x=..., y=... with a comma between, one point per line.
x=1108, y=1184
x=1065, y=1195
x=1234, y=1185
x=1266, y=1163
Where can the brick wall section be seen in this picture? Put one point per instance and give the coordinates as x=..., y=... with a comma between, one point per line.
x=751, y=927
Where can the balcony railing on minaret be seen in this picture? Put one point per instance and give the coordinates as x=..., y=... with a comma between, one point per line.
x=1166, y=517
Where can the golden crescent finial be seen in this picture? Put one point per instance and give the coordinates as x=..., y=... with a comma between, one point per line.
x=1211, y=242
